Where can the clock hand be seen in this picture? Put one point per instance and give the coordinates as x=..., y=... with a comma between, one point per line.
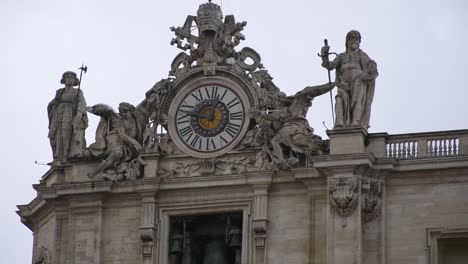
x=214, y=104
x=195, y=114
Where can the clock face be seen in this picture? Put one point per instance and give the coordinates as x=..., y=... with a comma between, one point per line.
x=208, y=120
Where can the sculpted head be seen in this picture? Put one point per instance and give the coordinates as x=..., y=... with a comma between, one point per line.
x=69, y=78
x=126, y=109
x=353, y=39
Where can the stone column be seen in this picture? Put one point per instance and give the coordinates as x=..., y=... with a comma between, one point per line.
x=148, y=227
x=260, y=222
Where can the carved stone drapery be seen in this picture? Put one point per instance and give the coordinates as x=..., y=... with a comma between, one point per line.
x=372, y=200
x=343, y=193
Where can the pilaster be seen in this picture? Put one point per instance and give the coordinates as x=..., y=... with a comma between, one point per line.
x=148, y=228
x=260, y=222
x=354, y=199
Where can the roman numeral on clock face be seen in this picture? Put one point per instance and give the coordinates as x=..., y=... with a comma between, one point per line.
x=232, y=129
x=233, y=102
x=235, y=115
x=186, y=131
x=197, y=95
x=212, y=91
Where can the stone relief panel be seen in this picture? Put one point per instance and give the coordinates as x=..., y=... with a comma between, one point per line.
x=206, y=167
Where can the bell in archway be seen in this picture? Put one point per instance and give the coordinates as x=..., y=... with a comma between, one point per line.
x=215, y=252
x=176, y=243
x=235, y=237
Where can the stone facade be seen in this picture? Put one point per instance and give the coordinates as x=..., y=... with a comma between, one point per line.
x=246, y=181
x=289, y=217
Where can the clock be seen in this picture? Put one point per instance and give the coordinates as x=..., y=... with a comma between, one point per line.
x=208, y=119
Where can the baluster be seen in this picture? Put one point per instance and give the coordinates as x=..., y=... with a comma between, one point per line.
x=457, y=146
x=447, y=147
x=404, y=149
x=416, y=149
x=402, y=146
x=406, y=145
x=452, y=147
x=430, y=147
x=442, y=147
x=439, y=147
x=407, y=151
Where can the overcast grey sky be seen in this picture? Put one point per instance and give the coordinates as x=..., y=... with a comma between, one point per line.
x=420, y=47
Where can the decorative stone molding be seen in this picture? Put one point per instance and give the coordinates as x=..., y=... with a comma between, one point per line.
x=206, y=167
x=372, y=200
x=434, y=234
x=260, y=221
x=343, y=194
x=148, y=226
x=260, y=232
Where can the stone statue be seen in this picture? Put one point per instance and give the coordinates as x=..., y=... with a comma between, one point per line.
x=118, y=142
x=67, y=120
x=287, y=132
x=355, y=78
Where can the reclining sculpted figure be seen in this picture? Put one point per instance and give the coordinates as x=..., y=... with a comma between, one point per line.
x=118, y=142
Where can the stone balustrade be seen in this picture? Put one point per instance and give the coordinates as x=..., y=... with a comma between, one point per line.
x=427, y=145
